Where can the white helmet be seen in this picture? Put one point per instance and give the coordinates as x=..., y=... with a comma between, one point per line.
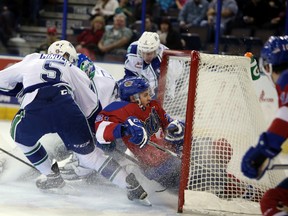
x=65, y=49
x=148, y=42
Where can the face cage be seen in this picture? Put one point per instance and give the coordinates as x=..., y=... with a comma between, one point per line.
x=137, y=98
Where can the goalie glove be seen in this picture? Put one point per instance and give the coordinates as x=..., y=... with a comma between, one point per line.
x=175, y=132
x=256, y=160
x=135, y=128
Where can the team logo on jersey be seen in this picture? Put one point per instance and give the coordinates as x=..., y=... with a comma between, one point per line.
x=152, y=123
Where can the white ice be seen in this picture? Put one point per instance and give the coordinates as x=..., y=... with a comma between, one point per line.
x=20, y=197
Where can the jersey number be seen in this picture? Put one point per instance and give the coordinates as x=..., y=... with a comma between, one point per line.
x=52, y=71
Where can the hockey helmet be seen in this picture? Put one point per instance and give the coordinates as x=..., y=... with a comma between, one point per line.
x=65, y=49
x=148, y=42
x=275, y=50
x=274, y=54
x=86, y=65
x=132, y=86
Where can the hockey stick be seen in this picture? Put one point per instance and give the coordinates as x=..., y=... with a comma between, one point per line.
x=128, y=157
x=17, y=158
x=268, y=165
x=278, y=167
x=123, y=154
x=164, y=149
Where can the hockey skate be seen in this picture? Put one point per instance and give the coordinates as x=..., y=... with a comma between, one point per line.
x=70, y=169
x=51, y=181
x=135, y=191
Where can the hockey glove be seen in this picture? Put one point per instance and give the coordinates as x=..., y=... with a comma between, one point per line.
x=135, y=128
x=175, y=132
x=256, y=160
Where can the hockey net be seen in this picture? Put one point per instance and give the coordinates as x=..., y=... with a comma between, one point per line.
x=215, y=96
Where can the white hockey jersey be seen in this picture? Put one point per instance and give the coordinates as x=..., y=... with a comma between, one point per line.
x=105, y=86
x=39, y=70
x=135, y=66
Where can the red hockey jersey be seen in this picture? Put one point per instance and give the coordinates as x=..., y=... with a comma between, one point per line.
x=154, y=119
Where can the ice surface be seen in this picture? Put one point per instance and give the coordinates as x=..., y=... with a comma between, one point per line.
x=20, y=197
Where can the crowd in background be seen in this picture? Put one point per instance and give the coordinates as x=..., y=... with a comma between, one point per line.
x=112, y=21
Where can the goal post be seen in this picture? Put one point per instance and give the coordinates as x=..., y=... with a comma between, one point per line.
x=189, y=109
x=215, y=96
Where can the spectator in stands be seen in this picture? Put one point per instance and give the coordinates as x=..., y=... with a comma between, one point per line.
x=165, y=5
x=51, y=37
x=168, y=36
x=150, y=25
x=228, y=14
x=253, y=12
x=105, y=8
x=192, y=13
x=150, y=7
x=7, y=25
x=88, y=39
x=34, y=7
x=125, y=7
x=116, y=37
x=180, y=3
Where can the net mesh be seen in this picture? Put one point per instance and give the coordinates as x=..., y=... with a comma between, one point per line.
x=227, y=120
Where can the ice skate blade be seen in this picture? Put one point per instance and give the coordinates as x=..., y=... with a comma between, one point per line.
x=144, y=202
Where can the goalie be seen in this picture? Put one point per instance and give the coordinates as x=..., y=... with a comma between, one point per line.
x=274, y=63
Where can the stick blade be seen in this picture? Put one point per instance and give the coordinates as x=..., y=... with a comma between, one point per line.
x=262, y=169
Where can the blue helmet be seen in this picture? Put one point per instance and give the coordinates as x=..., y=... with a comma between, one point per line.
x=131, y=86
x=275, y=50
x=86, y=65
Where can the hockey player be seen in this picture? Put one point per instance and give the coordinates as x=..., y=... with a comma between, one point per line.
x=102, y=82
x=274, y=58
x=144, y=57
x=137, y=120
x=57, y=99
x=106, y=88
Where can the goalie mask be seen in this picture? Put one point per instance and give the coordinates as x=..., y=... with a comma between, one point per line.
x=65, y=49
x=274, y=54
x=86, y=65
x=132, y=86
